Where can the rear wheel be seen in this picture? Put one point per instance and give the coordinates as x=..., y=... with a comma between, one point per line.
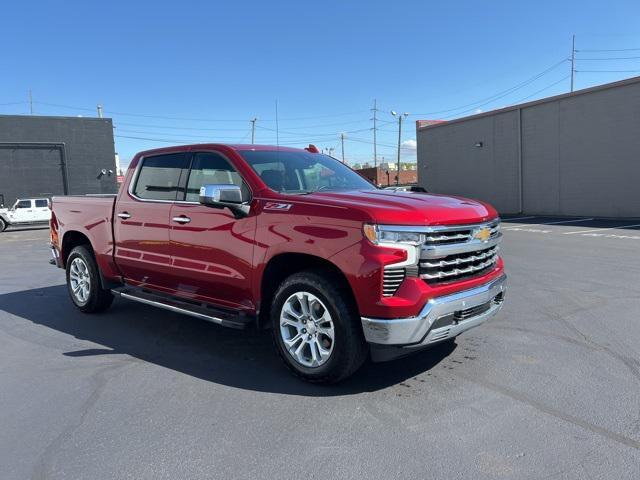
x=3, y=225
x=316, y=328
x=83, y=282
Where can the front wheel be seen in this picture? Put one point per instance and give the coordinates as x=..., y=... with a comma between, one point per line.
x=3, y=225
x=316, y=328
x=83, y=282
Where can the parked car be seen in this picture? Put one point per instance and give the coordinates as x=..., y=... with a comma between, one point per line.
x=24, y=212
x=406, y=188
x=288, y=239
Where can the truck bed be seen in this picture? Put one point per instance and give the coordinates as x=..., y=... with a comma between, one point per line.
x=90, y=215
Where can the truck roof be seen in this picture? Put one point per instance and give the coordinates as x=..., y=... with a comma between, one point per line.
x=235, y=146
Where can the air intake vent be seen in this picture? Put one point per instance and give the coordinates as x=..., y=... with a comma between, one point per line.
x=392, y=279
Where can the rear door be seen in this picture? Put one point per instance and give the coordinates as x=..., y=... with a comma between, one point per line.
x=42, y=212
x=142, y=221
x=212, y=249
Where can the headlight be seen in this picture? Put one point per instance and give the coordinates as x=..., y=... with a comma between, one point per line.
x=377, y=235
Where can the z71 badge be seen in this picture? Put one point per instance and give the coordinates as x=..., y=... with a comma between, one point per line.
x=277, y=206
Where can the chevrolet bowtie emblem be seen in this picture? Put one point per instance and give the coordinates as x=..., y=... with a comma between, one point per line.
x=483, y=234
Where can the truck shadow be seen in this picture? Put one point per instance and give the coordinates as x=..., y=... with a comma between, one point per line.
x=237, y=358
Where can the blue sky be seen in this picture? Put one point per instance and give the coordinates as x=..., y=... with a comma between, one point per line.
x=199, y=71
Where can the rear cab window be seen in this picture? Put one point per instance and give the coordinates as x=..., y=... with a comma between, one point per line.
x=159, y=177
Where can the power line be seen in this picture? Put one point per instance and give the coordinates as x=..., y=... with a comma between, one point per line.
x=609, y=58
x=174, y=141
x=611, y=50
x=194, y=119
x=173, y=127
x=498, y=95
x=178, y=135
x=607, y=71
x=543, y=89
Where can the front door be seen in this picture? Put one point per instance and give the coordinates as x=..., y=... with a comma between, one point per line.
x=23, y=212
x=212, y=249
x=142, y=221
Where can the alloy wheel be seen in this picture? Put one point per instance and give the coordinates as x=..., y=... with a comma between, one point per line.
x=80, y=280
x=307, y=329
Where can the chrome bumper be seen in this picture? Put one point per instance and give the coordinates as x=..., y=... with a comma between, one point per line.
x=440, y=319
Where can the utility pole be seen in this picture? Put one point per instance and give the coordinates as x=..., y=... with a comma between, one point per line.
x=400, y=117
x=30, y=103
x=253, y=129
x=342, y=141
x=375, y=153
x=99, y=107
x=573, y=60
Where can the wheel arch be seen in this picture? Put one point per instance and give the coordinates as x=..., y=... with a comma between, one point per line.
x=284, y=265
x=73, y=239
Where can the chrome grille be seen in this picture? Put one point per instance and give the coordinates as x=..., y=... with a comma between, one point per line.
x=457, y=234
x=456, y=267
x=391, y=281
x=454, y=253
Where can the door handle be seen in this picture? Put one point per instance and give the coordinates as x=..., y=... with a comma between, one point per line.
x=124, y=215
x=181, y=219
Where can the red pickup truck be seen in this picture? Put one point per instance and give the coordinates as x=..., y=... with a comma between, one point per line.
x=288, y=239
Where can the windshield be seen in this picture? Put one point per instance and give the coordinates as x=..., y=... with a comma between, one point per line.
x=303, y=172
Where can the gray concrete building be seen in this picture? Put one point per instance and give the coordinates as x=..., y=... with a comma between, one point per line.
x=572, y=154
x=43, y=156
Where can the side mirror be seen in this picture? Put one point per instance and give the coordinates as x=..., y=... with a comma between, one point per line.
x=224, y=196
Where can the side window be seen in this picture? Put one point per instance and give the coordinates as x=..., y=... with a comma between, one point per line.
x=159, y=177
x=210, y=168
x=42, y=203
x=24, y=204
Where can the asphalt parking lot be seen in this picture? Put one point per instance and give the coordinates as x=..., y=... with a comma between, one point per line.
x=550, y=388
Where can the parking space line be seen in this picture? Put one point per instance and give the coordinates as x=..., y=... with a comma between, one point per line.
x=517, y=218
x=602, y=229
x=568, y=221
x=547, y=223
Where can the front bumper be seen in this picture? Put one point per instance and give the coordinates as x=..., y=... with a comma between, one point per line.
x=440, y=319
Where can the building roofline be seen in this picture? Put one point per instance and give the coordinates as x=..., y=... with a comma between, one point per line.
x=26, y=115
x=597, y=88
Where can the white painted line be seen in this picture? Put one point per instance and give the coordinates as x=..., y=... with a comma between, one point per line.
x=602, y=229
x=548, y=223
x=567, y=221
x=517, y=218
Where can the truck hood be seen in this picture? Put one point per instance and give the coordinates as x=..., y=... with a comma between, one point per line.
x=407, y=208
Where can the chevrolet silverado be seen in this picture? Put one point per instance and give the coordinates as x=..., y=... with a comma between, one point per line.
x=287, y=239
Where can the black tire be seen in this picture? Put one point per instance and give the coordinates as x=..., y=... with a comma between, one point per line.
x=349, y=348
x=3, y=225
x=98, y=299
